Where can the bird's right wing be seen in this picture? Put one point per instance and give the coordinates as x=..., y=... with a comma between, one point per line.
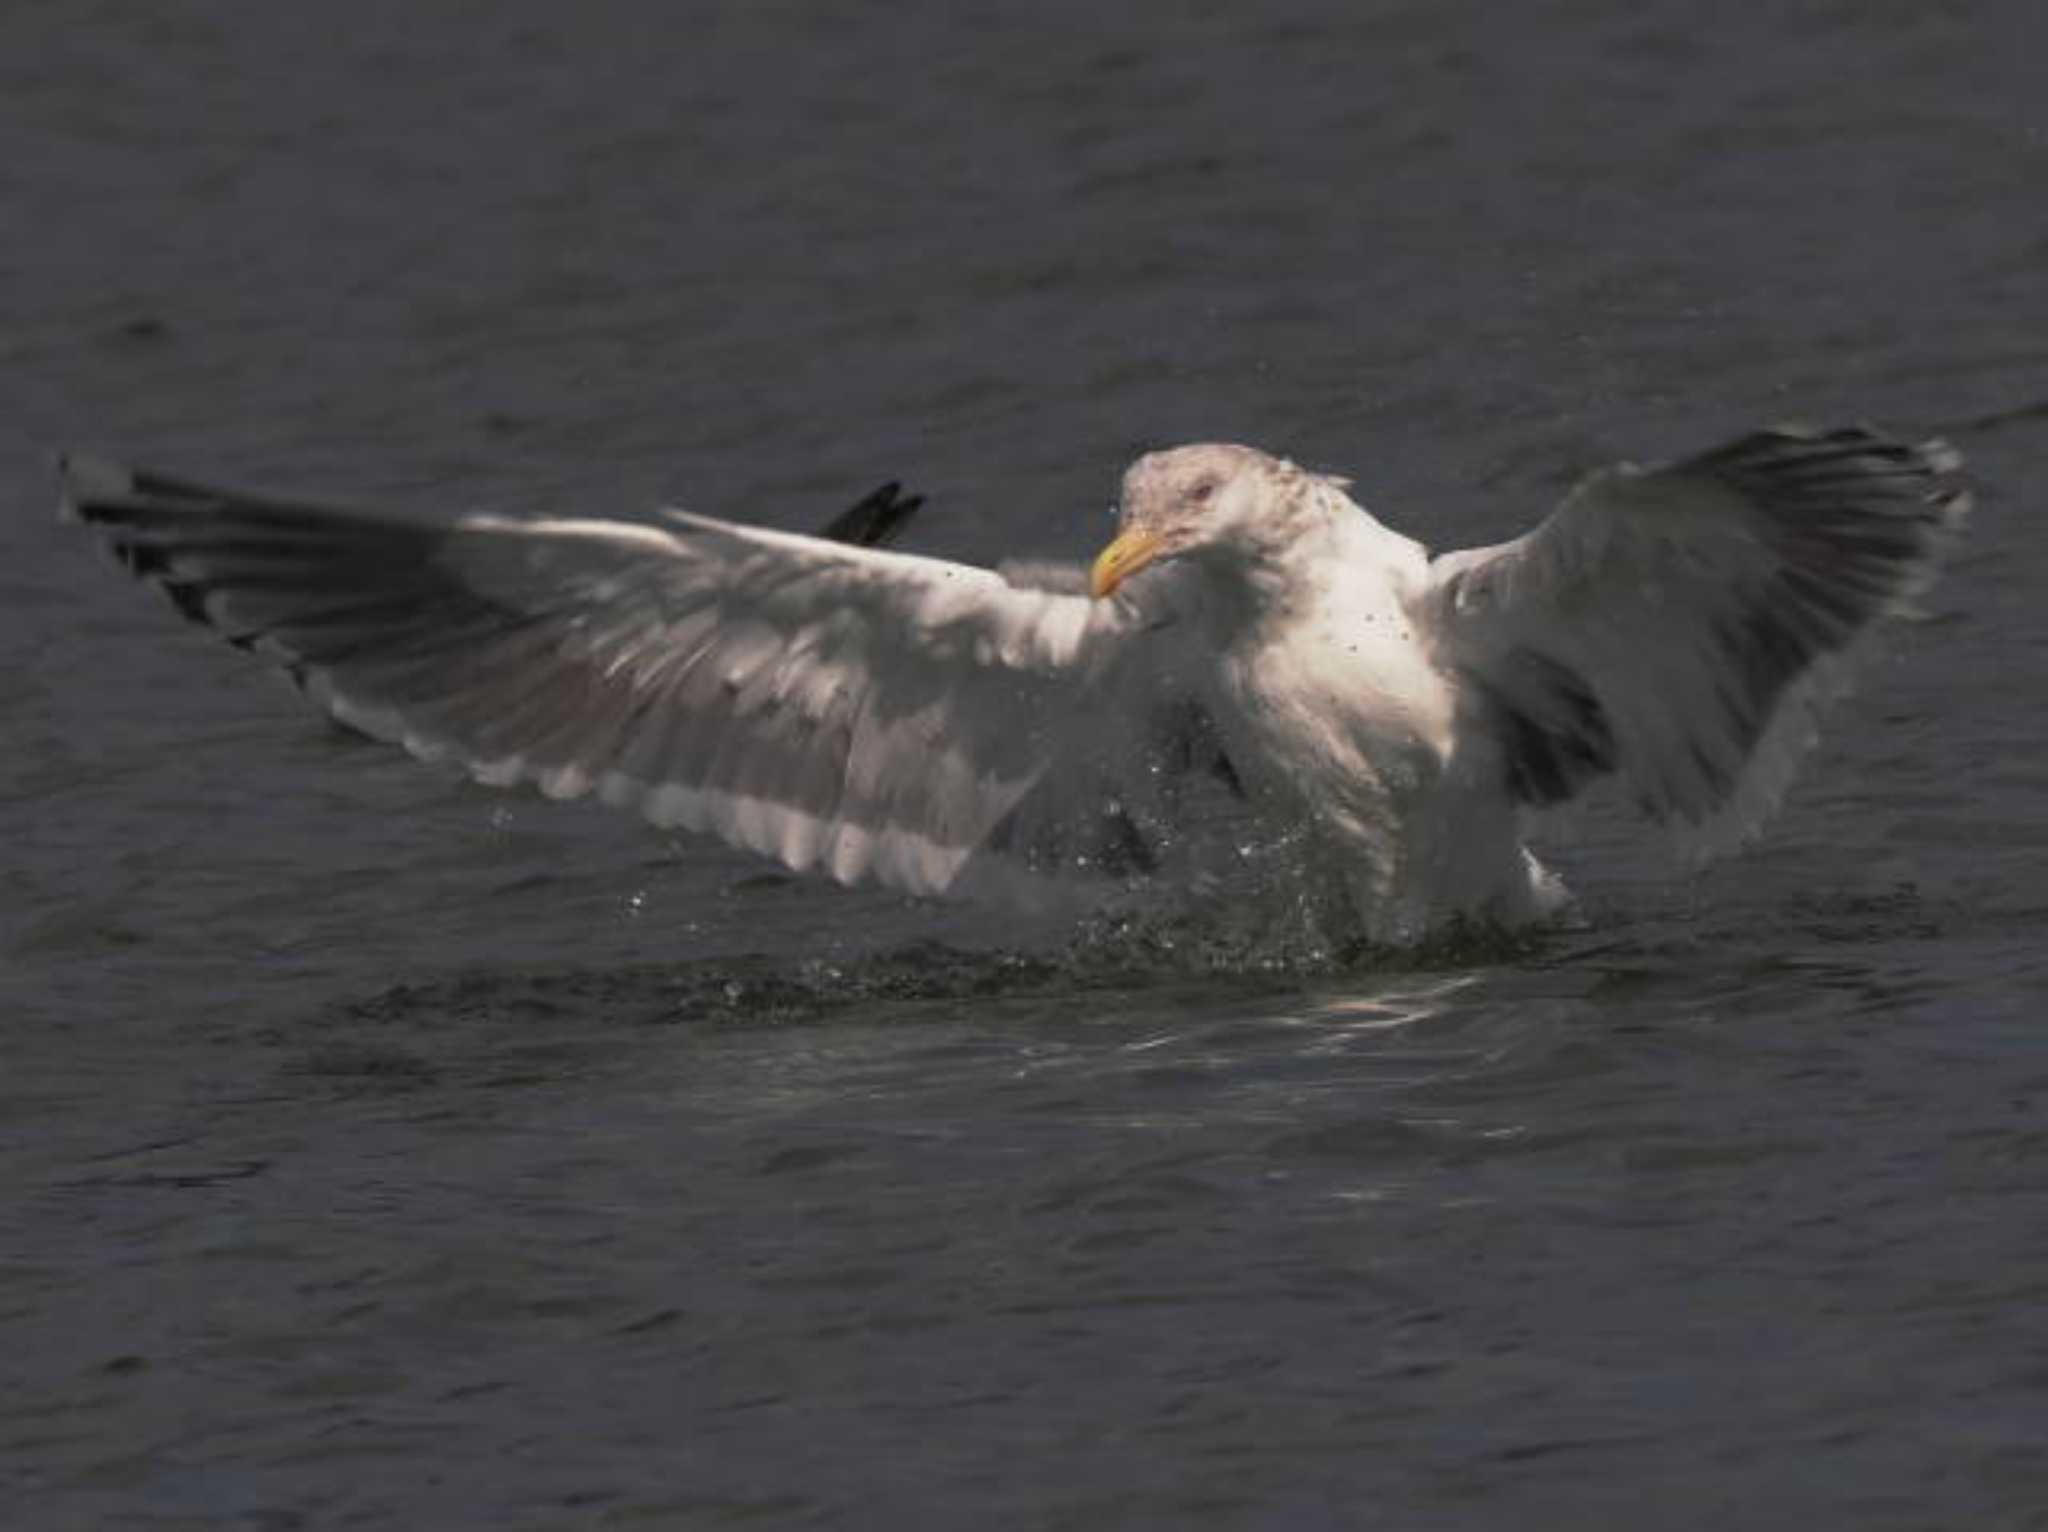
x=868, y=713
x=1677, y=625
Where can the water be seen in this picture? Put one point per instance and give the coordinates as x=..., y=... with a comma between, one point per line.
x=386, y=1152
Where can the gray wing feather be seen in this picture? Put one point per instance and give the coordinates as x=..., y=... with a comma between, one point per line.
x=1681, y=625
x=867, y=713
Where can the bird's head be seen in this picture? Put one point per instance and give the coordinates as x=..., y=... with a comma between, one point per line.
x=1191, y=500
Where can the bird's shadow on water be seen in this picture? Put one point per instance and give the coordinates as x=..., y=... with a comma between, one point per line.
x=1496, y=1011
x=1596, y=1078
x=1142, y=990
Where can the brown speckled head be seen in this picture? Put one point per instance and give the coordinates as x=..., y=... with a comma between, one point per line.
x=1211, y=495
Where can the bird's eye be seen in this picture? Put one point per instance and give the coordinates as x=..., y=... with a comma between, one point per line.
x=1203, y=491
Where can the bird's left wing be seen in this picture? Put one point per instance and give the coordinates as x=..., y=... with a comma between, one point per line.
x=870, y=714
x=1678, y=625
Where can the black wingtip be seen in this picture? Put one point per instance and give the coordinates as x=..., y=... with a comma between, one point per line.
x=876, y=519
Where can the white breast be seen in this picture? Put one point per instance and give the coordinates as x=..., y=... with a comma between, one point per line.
x=1346, y=731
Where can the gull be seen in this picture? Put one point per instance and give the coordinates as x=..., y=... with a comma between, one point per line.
x=1256, y=679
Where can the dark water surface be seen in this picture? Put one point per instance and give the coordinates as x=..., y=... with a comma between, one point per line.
x=385, y=1152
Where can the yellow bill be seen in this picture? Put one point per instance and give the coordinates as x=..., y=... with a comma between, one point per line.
x=1131, y=552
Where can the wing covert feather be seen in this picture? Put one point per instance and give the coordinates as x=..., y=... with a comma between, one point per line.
x=1682, y=625
x=868, y=713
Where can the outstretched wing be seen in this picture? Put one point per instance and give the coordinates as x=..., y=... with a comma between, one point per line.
x=867, y=713
x=1679, y=625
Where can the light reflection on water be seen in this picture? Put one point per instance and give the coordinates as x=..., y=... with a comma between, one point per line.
x=1392, y=1008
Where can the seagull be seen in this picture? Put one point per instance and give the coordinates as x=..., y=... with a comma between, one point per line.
x=1256, y=679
